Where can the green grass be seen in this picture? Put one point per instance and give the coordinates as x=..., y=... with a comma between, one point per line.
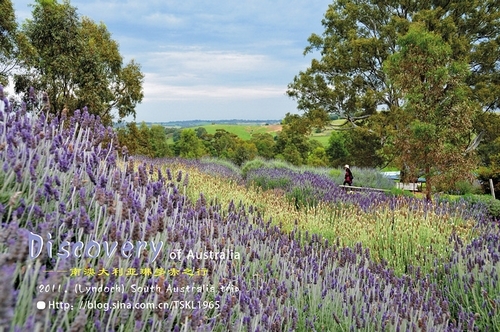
x=324, y=135
x=322, y=139
x=245, y=131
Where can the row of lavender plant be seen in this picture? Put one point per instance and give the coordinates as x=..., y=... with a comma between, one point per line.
x=65, y=185
x=470, y=279
x=212, y=166
x=308, y=188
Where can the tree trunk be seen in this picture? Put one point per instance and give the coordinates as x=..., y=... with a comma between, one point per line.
x=428, y=188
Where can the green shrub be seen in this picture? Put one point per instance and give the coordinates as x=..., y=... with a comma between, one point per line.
x=252, y=164
x=223, y=162
x=399, y=192
x=267, y=183
x=273, y=163
x=494, y=208
x=493, y=205
x=364, y=177
x=302, y=197
x=335, y=173
x=279, y=163
x=466, y=187
x=461, y=187
x=484, y=176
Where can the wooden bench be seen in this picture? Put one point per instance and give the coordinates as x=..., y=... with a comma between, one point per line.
x=353, y=188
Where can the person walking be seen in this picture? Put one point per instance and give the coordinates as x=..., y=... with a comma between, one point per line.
x=348, y=176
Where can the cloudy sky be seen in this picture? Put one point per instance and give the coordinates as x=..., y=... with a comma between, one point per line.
x=207, y=59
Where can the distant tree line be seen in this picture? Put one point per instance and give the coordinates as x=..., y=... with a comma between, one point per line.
x=292, y=144
x=196, y=123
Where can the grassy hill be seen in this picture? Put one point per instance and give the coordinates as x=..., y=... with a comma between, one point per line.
x=245, y=130
x=324, y=135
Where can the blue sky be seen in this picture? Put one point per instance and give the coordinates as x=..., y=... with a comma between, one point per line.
x=209, y=60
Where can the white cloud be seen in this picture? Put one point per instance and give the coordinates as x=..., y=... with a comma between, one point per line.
x=194, y=73
x=155, y=90
x=163, y=19
x=199, y=61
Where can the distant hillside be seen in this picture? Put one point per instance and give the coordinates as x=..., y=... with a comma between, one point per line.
x=243, y=128
x=197, y=123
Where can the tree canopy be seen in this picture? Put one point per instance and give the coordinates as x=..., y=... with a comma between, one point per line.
x=12, y=42
x=77, y=63
x=8, y=28
x=360, y=35
x=436, y=117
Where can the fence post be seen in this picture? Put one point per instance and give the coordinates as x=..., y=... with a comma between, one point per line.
x=492, y=188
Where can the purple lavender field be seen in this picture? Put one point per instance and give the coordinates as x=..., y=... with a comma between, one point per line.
x=91, y=241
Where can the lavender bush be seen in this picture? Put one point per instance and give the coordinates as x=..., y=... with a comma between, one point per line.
x=308, y=188
x=365, y=177
x=470, y=280
x=216, y=167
